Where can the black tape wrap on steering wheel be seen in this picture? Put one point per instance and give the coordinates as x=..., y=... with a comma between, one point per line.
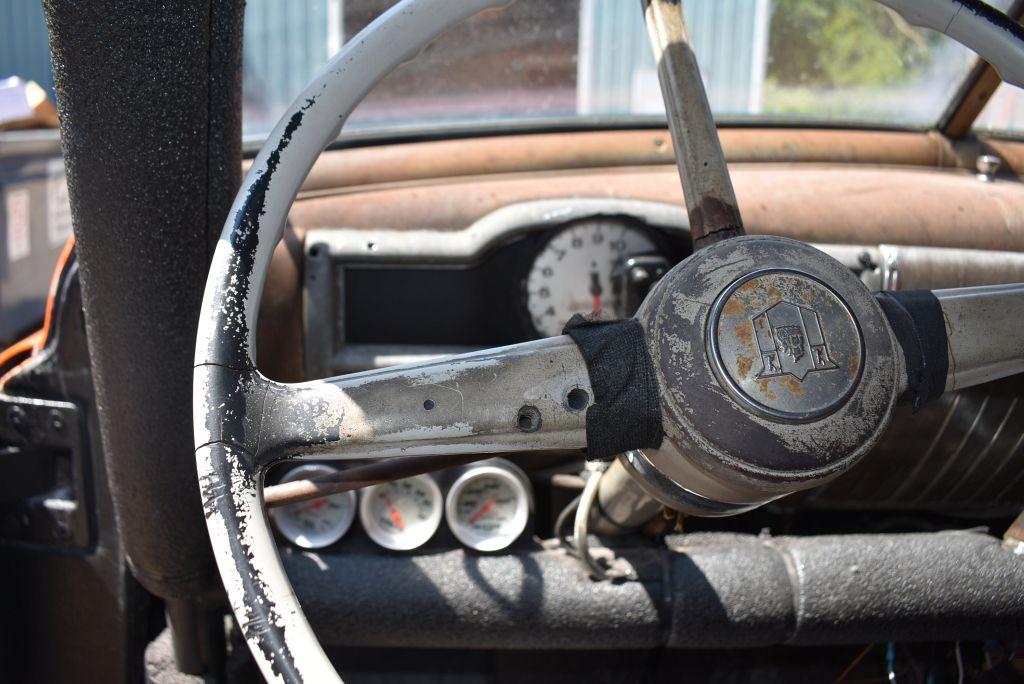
x=917, y=321
x=626, y=412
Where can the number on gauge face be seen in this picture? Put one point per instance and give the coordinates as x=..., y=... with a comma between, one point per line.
x=574, y=273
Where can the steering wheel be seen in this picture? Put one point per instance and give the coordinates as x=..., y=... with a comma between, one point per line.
x=757, y=367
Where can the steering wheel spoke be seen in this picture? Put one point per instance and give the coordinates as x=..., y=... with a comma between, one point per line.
x=710, y=201
x=984, y=333
x=526, y=397
x=530, y=396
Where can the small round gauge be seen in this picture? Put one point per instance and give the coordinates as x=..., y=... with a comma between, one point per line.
x=317, y=523
x=574, y=273
x=488, y=506
x=403, y=514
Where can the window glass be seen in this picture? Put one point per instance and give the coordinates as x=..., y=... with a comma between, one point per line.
x=1004, y=113
x=829, y=61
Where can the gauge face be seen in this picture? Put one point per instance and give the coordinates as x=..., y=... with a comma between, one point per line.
x=316, y=523
x=488, y=507
x=403, y=514
x=574, y=273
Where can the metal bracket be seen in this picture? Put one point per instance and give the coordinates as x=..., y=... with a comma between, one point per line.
x=43, y=494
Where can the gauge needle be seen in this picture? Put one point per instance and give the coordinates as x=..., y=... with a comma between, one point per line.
x=482, y=512
x=312, y=506
x=396, y=517
x=595, y=289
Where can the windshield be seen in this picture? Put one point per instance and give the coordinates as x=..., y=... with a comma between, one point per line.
x=764, y=61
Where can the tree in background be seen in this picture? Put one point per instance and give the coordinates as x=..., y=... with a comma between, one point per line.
x=844, y=43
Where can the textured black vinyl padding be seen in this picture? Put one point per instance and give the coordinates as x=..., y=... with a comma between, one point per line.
x=707, y=590
x=917, y=321
x=149, y=96
x=626, y=411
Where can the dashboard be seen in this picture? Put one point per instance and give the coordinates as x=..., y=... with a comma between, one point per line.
x=402, y=254
x=374, y=298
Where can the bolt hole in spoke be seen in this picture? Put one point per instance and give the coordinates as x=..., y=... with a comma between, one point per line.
x=577, y=399
x=429, y=404
x=528, y=419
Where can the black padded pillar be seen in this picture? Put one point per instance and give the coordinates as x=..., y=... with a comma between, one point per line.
x=149, y=96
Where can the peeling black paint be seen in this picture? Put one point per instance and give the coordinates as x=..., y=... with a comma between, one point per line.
x=994, y=17
x=236, y=399
x=262, y=628
x=231, y=347
x=236, y=395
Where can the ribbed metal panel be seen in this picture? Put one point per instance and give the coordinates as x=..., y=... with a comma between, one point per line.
x=963, y=452
x=24, y=46
x=616, y=72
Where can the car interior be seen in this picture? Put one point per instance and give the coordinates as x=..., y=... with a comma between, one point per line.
x=470, y=358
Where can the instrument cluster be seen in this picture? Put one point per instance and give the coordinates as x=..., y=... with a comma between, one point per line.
x=487, y=506
x=588, y=267
x=489, y=285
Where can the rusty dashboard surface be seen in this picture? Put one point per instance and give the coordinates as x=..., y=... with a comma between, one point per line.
x=814, y=185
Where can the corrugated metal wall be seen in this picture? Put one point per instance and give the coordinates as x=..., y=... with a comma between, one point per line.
x=24, y=47
x=286, y=43
x=616, y=72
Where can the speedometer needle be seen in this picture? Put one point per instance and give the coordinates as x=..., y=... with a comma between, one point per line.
x=596, y=290
x=482, y=512
x=312, y=506
x=396, y=517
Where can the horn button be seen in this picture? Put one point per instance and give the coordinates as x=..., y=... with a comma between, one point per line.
x=777, y=371
x=785, y=345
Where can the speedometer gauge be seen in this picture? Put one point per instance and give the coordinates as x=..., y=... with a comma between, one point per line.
x=403, y=514
x=574, y=273
x=489, y=505
x=317, y=523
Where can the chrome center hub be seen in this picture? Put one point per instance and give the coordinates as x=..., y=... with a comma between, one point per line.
x=777, y=370
x=785, y=345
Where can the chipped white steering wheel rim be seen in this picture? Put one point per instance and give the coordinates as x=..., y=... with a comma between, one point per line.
x=283, y=644
x=311, y=123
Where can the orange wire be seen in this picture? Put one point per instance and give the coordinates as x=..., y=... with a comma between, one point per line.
x=62, y=262
x=854, y=663
x=30, y=345
x=23, y=346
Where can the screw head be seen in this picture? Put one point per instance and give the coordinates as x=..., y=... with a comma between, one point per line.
x=16, y=417
x=639, y=274
x=987, y=166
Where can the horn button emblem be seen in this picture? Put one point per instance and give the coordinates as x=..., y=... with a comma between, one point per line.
x=785, y=345
x=790, y=340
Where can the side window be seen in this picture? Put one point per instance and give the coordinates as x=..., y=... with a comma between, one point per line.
x=1004, y=113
